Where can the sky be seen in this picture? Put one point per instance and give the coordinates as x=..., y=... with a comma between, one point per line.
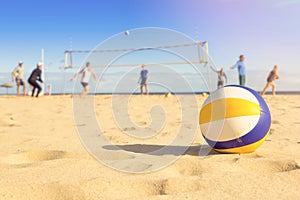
x=265, y=31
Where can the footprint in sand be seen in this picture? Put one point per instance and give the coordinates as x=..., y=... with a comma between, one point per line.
x=194, y=168
x=275, y=122
x=180, y=185
x=267, y=165
x=169, y=186
x=137, y=167
x=7, y=122
x=252, y=155
x=34, y=156
x=129, y=129
x=165, y=133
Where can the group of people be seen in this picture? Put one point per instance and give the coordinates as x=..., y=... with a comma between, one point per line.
x=34, y=78
x=240, y=65
x=87, y=72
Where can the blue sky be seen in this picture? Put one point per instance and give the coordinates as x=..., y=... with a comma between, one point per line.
x=266, y=31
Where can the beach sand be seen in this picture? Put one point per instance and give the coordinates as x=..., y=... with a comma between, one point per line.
x=42, y=156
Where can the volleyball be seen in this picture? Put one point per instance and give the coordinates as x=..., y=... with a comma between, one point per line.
x=126, y=32
x=168, y=94
x=235, y=119
x=16, y=73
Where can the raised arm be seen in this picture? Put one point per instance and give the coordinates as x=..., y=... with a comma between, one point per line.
x=234, y=66
x=94, y=75
x=76, y=75
x=214, y=69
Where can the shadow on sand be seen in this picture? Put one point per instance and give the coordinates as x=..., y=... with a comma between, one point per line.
x=201, y=150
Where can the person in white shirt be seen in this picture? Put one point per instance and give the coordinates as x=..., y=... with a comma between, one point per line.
x=86, y=72
x=18, y=76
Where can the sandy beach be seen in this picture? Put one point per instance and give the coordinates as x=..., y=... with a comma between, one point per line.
x=42, y=156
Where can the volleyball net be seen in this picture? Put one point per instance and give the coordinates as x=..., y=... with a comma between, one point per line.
x=200, y=49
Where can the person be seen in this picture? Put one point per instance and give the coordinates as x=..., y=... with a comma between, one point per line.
x=18, y=75
x=34, y=77
x=221, y=77
x=143, y=79
x=270, y=81
x=86, y=72
x=241, y=68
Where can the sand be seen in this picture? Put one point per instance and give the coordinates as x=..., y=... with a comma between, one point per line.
x=42, y=155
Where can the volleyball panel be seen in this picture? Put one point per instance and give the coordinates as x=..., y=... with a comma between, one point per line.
x=257, y=133
x=227, y=108
x=229, y=129
x=231, y=91
x=244, y=149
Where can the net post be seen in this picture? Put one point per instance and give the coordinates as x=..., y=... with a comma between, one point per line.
x=67, y=60
x=206, y=52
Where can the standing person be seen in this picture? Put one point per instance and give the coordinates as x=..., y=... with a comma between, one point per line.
x=34, y=77
x=18, y=75
x=221, y=77
x=143, y=80
x=241, y=68
x=270, y=81
x=86, y=72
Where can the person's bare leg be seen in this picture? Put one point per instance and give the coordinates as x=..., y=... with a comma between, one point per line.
x=141, y=90
x=265, y=89
x=24, y=90
x=85, y=91
x=273, y=89
x=147, y=89
x=18, y=90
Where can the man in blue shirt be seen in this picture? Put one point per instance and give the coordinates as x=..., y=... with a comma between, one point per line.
x=241, y=68
x=143, y=80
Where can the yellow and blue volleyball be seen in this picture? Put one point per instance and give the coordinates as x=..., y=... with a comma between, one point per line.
x=235, y=119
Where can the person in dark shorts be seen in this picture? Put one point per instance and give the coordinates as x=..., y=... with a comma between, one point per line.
x=143, y=80
x=221, y=77
x=86, y=72
x=270, y=81
x=34, y=77
x=18, y=76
